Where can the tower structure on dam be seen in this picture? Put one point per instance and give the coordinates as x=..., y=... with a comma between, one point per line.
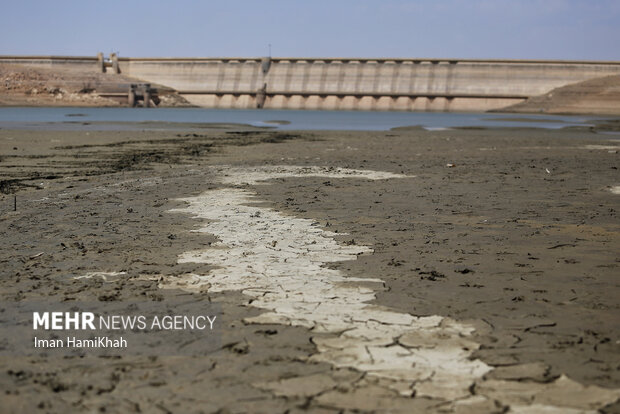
x=347, y=83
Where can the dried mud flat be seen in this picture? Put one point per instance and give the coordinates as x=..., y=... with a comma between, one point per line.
x=403, y=271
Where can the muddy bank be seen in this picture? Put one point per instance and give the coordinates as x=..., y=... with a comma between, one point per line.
x=515, y=232
x=32, y=155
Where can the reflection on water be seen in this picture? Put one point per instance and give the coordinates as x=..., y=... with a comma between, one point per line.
x=122, y=118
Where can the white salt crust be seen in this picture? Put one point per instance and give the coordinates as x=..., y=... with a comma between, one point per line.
x=278, y=261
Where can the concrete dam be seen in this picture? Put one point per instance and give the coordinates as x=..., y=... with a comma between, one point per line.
x=343, y=83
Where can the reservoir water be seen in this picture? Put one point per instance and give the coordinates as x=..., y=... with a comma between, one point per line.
x=164, y=118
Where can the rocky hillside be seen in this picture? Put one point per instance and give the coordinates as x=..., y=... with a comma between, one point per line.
x=25, y=86
x=600, y=96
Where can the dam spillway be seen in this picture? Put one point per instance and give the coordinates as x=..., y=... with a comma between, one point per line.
x=362, y=84
x=346, y=83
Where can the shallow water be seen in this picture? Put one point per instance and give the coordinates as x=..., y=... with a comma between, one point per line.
x=125, y=118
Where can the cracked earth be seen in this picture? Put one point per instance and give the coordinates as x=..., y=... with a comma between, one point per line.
x=279, y=262
x=351, y=272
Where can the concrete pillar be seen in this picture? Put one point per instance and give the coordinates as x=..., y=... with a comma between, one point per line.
x=265, y=64
x=348, y=103
x=295, y=102
x=131, y=98
x=100, y=62
x=330, y=102
x=261, y=94
x=114, y=59
x=278, y=102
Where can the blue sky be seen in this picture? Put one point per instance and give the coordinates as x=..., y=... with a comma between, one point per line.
x=536, y=29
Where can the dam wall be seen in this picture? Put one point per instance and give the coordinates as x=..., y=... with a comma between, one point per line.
x=62, y=63
x=347, y=83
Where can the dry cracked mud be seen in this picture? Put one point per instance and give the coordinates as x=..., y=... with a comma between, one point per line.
x=476, y=273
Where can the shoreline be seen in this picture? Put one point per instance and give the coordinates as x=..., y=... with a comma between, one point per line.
x=24, y=103
x=87, y=119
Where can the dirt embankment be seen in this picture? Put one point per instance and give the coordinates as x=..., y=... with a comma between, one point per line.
x=600, y=96
x=24, y=86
